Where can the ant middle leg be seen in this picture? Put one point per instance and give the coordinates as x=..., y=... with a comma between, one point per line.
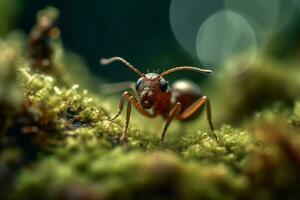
x=195, y=107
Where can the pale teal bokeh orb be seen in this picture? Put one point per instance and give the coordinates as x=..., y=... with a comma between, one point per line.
x=224, y=38
x=186, y=16
x=266, y=16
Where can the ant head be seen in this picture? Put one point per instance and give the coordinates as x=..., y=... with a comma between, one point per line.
x=149, y=87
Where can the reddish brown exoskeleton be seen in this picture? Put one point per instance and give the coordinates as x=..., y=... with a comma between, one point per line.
x=182, y=101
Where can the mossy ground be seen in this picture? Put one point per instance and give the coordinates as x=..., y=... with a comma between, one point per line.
x=57, y=141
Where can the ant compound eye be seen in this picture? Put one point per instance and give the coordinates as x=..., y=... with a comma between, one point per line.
x=138, y=83
x=163, y=85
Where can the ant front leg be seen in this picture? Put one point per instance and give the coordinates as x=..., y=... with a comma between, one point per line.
x=195, y=107
x=137, y=105
x=173, y=114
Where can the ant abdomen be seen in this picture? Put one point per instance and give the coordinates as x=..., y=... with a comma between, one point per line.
x=186, y=92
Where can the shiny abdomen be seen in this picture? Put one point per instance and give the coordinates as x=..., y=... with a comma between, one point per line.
x=186, y=92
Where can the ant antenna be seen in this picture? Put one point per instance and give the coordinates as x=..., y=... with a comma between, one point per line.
x=187, y=68
x=106, y=61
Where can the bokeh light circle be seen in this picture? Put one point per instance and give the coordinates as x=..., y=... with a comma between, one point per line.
x=266, y=16
x=224, y=38
x=187, y=16
x=262, y=12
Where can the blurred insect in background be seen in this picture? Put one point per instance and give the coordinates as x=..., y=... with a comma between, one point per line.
x=182, y=101
x=40, y=39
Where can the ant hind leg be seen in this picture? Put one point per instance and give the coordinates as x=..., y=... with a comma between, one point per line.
x=195, y=107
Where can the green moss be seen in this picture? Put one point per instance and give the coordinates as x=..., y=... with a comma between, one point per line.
x=129, y=175
x=296, y=115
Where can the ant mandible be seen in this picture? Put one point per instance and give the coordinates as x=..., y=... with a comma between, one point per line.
x=182, y=101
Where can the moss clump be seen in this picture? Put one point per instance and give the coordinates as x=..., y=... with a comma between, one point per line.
x=295, y=121
x=273, y=168
x=126, y=175
x=265, y=83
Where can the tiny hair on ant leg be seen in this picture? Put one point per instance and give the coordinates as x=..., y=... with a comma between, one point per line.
x=181, y=101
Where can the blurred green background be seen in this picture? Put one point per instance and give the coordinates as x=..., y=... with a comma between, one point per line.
x=156, y=35
x=141, y=31
x=136, y=30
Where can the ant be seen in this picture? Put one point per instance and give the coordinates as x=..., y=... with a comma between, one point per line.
x=182, y=101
